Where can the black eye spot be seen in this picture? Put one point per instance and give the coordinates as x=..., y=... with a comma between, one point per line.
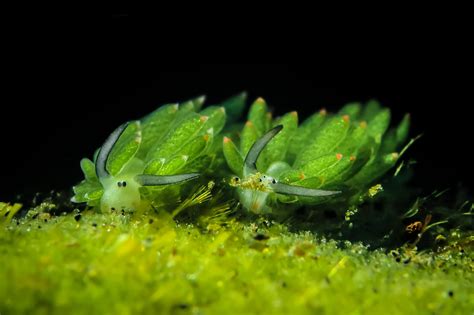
x=119, y=184
x=124, y=183
x=236, y=179
x=113, y=209
x=260, y=180
x=274, y=181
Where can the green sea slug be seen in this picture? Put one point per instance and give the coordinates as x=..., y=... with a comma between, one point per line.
x=256, y=187
x=142, y=162
x=311, y=163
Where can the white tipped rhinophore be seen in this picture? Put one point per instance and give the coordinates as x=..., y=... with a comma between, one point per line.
x=285, y=189
x=104, y=152
x=250, y=162
x=157, y=180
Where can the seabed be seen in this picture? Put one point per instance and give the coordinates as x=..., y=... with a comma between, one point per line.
x=90, y=263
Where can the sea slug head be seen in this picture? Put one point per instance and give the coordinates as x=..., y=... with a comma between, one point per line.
x=122, y=191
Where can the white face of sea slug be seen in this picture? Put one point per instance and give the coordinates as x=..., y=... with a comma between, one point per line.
x=254, y=190
x=121, y=194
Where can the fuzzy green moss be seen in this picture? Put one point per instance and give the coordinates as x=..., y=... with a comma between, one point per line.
x=116, y=264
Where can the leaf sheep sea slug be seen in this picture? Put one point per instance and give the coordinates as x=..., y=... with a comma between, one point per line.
x=142, y=163
x=329, y=157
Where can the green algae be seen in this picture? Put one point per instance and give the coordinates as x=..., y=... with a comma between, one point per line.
x=89, y=263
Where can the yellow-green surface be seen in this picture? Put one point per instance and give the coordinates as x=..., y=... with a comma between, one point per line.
x=116, y=264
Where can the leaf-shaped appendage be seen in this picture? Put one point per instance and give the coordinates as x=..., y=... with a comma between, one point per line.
x=281, y=162
x=144, y=161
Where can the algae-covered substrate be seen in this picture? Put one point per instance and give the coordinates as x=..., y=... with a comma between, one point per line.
x=90, y=263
